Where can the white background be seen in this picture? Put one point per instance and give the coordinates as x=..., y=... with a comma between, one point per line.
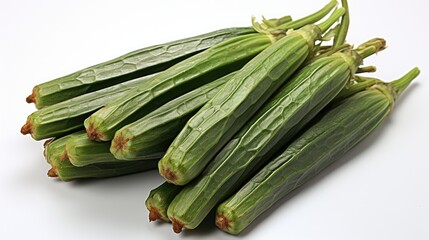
x=378, y=191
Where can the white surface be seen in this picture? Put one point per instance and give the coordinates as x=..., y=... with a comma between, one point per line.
x=378, y=191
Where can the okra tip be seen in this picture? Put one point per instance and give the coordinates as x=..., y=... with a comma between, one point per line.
x=119, y=144
x=32, y=97
x=27, y=128
x=93, y=133
x=154, y=214
x=177, y=225
x=52, y=172
x=222, y=222
x=169, y=175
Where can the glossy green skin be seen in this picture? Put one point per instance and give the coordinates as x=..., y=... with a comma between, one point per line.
x=68, y=116
x=211, y=128
x=294, y=105
x=335, y=132
x=159, y=199
x=57, y=157
x=81, y=151
x=158, y=129
x=181, y=78
x=129, y=66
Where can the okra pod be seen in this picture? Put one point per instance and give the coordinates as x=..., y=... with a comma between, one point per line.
x=158, y=129
x=217, y=121
x=82, y=152
x=159, y=199
x=135, y=64
x=68, y=116
x=183, y=77
x=334, y=132
x=295, y=104
x=62, y=168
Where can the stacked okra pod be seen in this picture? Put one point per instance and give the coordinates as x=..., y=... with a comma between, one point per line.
x=234, y=119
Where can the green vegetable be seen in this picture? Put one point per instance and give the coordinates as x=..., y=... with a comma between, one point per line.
x=335, y=131
x=81, y=151
x=66, y=117
x=61, y=167
x=158, y=200
x=158, y=129
x=183, y=77
x=211, y=128
x=295, y=104
x=129, y=66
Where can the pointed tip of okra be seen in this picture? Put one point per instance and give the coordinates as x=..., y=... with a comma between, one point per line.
x=177, y=225
x=52, y=172
x=222, y=222
x=27, y=128
x=154, y=214
x=32, y=97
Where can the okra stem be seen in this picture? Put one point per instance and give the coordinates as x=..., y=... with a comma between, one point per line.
x=371, y=47
x=324, y=26
x=340, y=37
x=366, y=69
x=312, y=18
x=402, y=83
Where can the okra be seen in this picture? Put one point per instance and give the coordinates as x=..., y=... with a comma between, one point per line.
x=334, y=132
x=220, y=118
x=183, y=77
x=135, y=64
x=82, y=152
x=62, y=168
x=66, y=117
x=159, y=199
x=295, y=104
x=158, y=129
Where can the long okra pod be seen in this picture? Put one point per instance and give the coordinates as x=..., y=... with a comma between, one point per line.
x=135, y=64
x=66, y=117
x=158, y=129
x=337, y=129
x=183, y=77
x=211, y=128
x=311, y=89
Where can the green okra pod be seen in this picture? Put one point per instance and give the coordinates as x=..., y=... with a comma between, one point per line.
x=333, y=133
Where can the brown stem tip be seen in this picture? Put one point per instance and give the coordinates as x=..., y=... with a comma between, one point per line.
x=32, y=97
x=27, y=128
x=154, y=214
x=169, y=175
x=222, y=222
x=92, y=133
x=177, y=225
x=53, y=172
x=119, y=143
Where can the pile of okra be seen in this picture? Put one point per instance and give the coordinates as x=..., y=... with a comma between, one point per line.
x=234, y=119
